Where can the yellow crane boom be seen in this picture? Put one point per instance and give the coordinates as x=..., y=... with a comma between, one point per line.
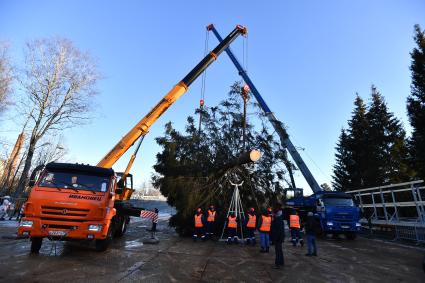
x=142, y=127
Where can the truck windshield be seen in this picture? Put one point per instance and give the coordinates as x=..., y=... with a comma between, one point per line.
x=75, y=181
x=338, y=201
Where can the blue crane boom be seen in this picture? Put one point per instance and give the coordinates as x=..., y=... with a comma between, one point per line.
x=278, y=126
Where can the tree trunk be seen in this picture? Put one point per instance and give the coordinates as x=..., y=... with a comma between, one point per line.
x=23, y=180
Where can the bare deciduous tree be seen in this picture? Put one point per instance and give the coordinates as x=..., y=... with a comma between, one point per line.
x=52, y=150
x=5, y=76
x=58, y=82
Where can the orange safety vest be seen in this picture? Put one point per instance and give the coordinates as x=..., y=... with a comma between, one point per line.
x=252, y=219
x=198, y=221
x=294, y=221
x=232, y=222
x=211, y=216
x=266, y=223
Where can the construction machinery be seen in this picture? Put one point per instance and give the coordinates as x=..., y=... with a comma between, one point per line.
x=82, y=202
x=336, y=210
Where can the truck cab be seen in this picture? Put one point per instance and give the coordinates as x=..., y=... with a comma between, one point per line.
x=70, y=202
x=337, y=212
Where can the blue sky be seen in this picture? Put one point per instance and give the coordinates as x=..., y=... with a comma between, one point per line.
x=307, y=58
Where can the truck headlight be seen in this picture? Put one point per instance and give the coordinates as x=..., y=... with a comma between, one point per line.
x=358, y=224
x=26, y=223
x=329, y=223
x=95, y=227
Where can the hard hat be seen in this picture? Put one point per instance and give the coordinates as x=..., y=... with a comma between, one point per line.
x=269, y=209
x=7, y=197
x=251, y=209
x=198, y=209
x=310, y=213
x=211, y=206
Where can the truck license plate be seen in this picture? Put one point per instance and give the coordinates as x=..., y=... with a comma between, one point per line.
x=345, y=226
x=57, y=233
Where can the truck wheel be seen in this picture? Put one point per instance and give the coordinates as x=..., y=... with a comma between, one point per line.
x=36, y=245
x=102, y=245
x=125, y=225
x=122, y=227
x=351, y=236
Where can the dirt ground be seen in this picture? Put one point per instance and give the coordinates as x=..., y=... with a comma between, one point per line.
x=177, y=259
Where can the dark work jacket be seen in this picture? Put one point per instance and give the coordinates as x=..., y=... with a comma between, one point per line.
x=278, y=229
x=311, y=226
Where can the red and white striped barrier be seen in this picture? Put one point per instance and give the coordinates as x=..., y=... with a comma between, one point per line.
x=149, y=214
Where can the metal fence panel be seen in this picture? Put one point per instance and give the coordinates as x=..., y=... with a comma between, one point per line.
x=411, y=233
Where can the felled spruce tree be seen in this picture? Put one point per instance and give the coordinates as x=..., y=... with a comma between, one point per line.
x=189, y=169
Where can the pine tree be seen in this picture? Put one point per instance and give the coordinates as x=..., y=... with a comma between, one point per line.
x=373, y=150
x=416, y=104
x=341, y=174
x=387, y=150
x=358, y=144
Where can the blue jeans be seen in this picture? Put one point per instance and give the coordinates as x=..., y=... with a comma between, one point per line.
x=311, y=243
x=265, y=240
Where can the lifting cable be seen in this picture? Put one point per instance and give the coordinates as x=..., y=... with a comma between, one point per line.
x=315, y=164
x=203, y=79
x=245, y=53
x=245, y=90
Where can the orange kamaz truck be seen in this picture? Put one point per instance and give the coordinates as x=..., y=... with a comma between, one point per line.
x=82, y=202
x=76, y=202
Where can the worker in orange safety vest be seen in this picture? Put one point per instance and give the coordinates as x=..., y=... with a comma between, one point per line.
x=199, y=225
x=210, y=223
x=251, y=224
x=295, y=227
x=264, y=226
x=232, y=226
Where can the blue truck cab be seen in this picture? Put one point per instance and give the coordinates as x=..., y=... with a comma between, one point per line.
x=336, y=211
